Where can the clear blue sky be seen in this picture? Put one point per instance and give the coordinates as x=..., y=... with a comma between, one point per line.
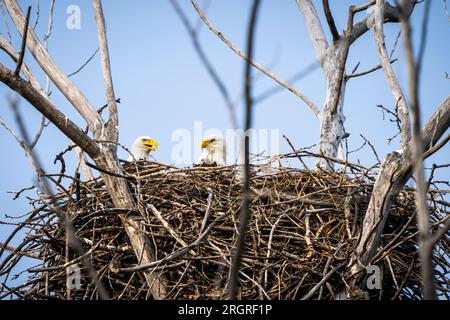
x=164, y=87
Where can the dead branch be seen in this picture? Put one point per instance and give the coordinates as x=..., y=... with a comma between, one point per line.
x=24, y=41
x=193, y=33
x=403, y=113
x=245, y=213
x=281, y=82
x=330, y=20
x=423, y=218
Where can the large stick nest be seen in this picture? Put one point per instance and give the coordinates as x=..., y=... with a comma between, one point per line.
x=304, y=226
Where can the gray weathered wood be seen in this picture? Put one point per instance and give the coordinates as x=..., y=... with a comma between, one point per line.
x=103, y=154
x=402, y=108
x=64, y=84
x=394, y=173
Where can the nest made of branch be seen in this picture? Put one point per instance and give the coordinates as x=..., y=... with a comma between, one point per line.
x=304, y=225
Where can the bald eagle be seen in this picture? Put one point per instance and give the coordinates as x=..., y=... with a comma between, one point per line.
x=214, y=151
x=142, y=147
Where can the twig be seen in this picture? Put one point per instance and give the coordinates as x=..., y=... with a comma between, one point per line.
x=363, y=73
x=206, y=62
x=208, y=210
x=103, y=170
x=84, y=64
x=169, y=228
x=276, y=88
x=423, y=37
x=321, y=282
x=293, y=150
x=24, y=42
x=45, y=188
x=372, y=147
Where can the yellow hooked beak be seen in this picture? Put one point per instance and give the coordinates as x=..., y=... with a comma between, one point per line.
x=205, y=143
x=151, y=144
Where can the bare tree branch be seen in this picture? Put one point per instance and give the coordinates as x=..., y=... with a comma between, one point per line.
x=442, y=232
x=113, y=122
x=5, y=21
x=38, y=134
x=389, y=72
x=87, y=173
x=314, y=27
x=363, y=73
x=43, y=185
x=24, y=41
x=394, y=173
x=44, y=106
x=422, y=216
x=84, y=64
x=391, y=14
x=330, y=20
x=252, y=62
x=344, y=55
x=296, y=77
x=6, y=47
x=423, y=38
x=64, y=84
x=207, y=63
x=245, y=209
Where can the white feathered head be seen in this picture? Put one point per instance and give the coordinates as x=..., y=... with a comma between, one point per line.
x=214, y=151
x=142, y=147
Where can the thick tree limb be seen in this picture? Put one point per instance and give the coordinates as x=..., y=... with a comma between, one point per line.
x=112, y=128
x=64, y=84
x=8, y=49
x=44, y=106
x=391, y=14
x=103, y=154
x=394, y=173
x=314, y=27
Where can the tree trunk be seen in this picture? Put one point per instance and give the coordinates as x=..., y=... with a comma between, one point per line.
x=122, y=198
x=395, y=171
x=332, y=124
